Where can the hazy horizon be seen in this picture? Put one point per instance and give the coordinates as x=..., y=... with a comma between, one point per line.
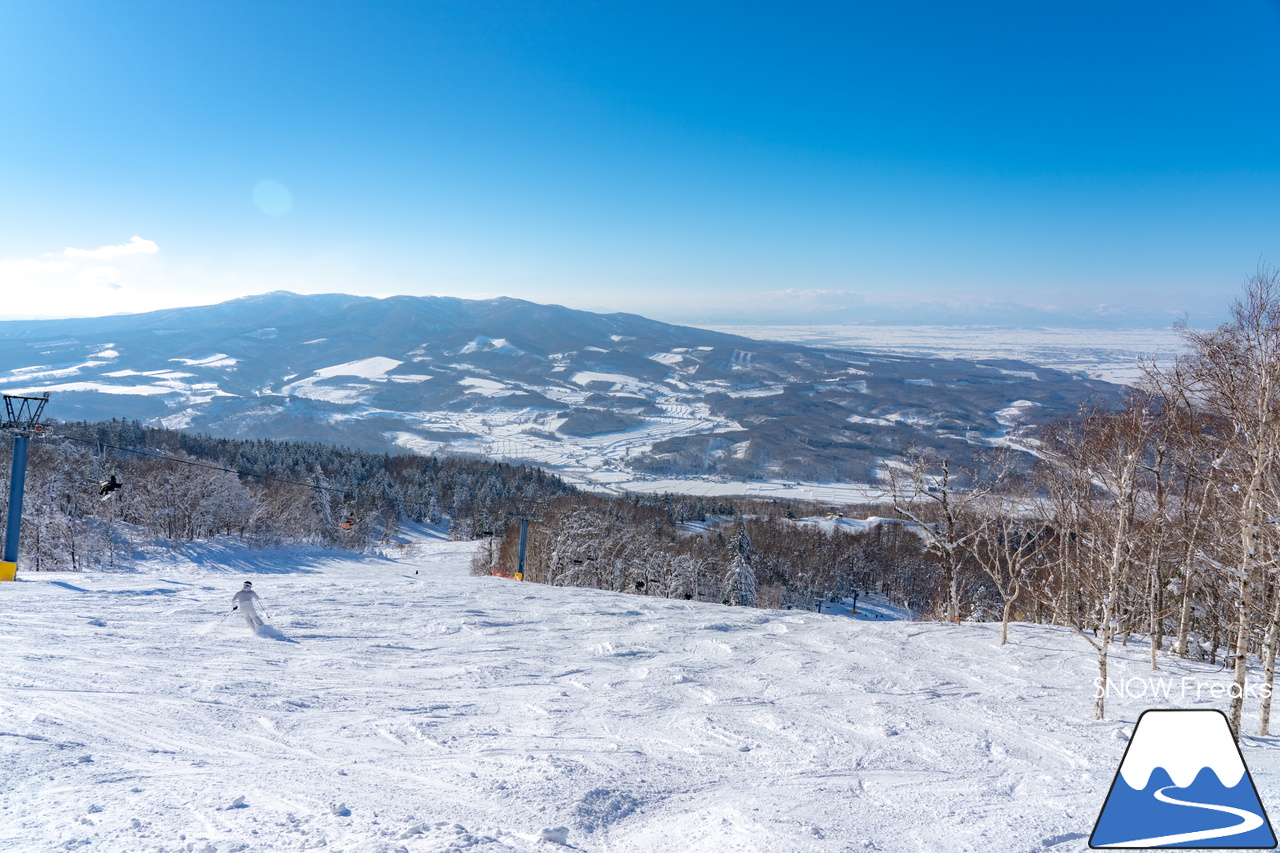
x=960, y=317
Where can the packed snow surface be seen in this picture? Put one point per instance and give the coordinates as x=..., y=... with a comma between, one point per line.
x=397, y=704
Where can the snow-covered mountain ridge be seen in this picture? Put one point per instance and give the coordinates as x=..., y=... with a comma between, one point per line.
x=603, y=399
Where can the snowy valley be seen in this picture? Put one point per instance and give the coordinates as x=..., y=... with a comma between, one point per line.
x=613, y=402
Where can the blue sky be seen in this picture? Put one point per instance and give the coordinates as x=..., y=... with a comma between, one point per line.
x=800, y=162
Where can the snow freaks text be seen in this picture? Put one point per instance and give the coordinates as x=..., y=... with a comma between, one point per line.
x=1185, y=687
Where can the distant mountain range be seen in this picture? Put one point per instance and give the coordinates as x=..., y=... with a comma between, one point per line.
x=827, y=307
x=602, y=398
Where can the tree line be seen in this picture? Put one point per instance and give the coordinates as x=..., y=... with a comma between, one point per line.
x=753, y=553
x=181, y=487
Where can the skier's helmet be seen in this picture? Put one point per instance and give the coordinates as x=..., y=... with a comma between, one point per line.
x=248, y=583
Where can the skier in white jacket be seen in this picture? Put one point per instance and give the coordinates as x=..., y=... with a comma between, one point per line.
x=244, y=601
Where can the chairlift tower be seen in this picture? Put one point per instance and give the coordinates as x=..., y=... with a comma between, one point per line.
x=22, y=421
x=529, y=511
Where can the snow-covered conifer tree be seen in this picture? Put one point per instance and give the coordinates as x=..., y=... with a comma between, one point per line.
x=740, y=580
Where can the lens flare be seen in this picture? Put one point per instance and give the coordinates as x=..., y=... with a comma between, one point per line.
x=272, y=198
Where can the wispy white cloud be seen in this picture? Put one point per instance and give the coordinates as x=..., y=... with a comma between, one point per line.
x=75, y=264
x=133, y=277
x=83, y=281
x=34, y=266
x=135, y=246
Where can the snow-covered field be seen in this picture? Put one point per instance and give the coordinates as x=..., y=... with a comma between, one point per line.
x=708, y=487
x=410, y=707
x=1113, y=355
x=600, y=463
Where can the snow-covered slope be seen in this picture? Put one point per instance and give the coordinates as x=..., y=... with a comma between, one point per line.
x=612, y=400
x=410, y=707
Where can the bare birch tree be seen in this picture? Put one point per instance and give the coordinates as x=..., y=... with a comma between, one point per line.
x=925, y=492
x=1010, y=545
x=1098, y=461
x=1232, y=374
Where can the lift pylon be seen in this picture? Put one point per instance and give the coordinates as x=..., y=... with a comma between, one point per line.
x=22, y=421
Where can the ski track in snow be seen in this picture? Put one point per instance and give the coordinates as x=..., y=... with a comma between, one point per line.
x=433, y=711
